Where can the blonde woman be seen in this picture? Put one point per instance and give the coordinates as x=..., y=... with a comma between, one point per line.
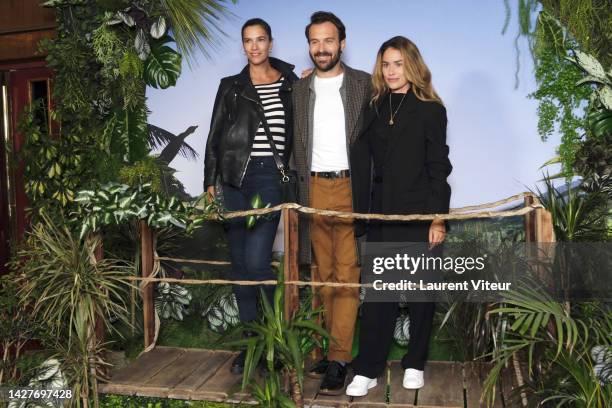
x=404, y=142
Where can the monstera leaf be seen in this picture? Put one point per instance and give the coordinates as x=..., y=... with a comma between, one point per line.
x=127, y=134
x=600, y=122
x=163, y=66
x=401, y=333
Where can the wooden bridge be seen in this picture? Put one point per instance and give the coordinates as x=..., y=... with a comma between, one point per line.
x=198, y=374
x=195, y=374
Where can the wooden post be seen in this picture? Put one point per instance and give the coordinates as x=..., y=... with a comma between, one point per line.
x=146, y=242
x=291, y=270
x=530, y=218
x=544, y=226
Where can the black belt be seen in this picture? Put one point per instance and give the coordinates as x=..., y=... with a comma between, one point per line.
x=330, y=174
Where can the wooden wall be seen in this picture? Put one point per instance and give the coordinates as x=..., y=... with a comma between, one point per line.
x=23, y=23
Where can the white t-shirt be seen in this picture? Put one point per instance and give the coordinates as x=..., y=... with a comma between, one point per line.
x=329, y=129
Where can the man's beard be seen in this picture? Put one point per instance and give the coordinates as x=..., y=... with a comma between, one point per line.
x=332, y=62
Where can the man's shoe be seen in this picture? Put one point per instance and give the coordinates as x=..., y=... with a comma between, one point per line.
x=238, y=363
x=360, y=385
x=319, y=369
x=335, y=379
x=413, y=379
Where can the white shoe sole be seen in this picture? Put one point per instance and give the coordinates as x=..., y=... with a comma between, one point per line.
x=413, y=386
x=363, y=394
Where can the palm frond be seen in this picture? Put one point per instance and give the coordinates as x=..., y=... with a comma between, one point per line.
x=172, y=144
x=195, y=24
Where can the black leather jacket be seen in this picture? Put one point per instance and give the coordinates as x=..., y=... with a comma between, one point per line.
x=235, y=121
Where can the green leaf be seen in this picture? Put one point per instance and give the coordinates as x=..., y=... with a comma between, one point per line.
x=589, y=64
x=163, y=65
x=605, y=96
x=158, y=28
x=141, y=44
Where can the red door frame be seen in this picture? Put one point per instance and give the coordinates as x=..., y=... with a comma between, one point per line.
x=20, y=74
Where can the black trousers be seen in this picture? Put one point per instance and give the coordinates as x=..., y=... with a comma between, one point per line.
x=378, y=318
x=376, y=334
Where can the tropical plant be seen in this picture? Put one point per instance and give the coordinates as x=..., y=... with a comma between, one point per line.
x=564, y=34
x=114, y=204
x=71, y=293
x=222, y=314
x=555, y=340
x=104, y=55
x=195, y=23
x=172, y=300
x=282, y=342
x=47, y=376
x=576, y=214
x=401, y=333
x=16, y=329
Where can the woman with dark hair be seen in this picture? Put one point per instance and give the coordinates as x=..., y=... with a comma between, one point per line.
x=404, y=142
x=249, y=142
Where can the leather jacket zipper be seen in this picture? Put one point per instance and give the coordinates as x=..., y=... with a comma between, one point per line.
x=250, y=147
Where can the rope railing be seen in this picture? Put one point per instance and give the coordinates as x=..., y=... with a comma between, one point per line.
x=455, y=213
x=461, y=213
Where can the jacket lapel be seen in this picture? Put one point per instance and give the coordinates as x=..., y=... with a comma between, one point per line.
x=353, y=100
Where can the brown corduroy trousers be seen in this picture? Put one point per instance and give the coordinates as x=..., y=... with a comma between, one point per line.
x=335, y=253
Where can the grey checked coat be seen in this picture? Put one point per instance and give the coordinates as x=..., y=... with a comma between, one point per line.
x=355, y=91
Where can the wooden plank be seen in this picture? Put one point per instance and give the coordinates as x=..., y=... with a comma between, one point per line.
x=377, y=394
x=146, y=366
x=443, y=385
x=400, y=395
x=209, y=366
x=312, y=397
x=507, y=385
x=475, y=374
x=179, y=369
x=222, y=384
x=18, y=15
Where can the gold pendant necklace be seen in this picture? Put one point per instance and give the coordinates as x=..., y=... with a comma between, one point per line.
x=391, y=113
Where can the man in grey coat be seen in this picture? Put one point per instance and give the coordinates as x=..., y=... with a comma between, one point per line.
x=327, y=112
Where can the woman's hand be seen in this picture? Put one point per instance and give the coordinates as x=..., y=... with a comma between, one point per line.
x=437, y=232
x=306, y=72
x=211, y=192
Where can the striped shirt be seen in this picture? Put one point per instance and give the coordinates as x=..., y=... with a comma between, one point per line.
x=275, y=116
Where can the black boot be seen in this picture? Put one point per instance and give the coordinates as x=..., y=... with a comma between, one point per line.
x=335, y=379
x=238, y=363
x=319, y=369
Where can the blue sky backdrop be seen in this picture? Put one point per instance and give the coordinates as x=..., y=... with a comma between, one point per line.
x=492, y=127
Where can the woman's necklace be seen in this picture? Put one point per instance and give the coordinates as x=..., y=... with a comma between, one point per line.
x=391, y=113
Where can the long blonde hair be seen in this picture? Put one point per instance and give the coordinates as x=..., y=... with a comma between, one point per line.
x=415, y=70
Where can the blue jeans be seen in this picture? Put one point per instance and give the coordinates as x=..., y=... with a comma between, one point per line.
x=251, y=249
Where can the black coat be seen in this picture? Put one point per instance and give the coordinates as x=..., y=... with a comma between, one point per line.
x=235, y=120
x=415, y=170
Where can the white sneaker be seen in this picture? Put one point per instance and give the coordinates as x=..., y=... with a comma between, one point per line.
x=360, y=385
x=413, y=379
